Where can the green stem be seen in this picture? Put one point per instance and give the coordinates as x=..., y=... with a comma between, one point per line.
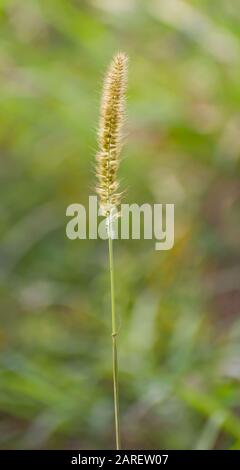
x=114, y=346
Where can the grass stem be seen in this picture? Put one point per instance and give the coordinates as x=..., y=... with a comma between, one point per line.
x=114, y=346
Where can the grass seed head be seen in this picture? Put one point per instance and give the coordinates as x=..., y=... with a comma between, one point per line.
x=110, y=132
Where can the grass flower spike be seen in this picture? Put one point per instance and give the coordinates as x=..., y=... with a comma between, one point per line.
x=109, y=134
x=108, y=157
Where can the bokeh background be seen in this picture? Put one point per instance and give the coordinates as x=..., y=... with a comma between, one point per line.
x=178, y=310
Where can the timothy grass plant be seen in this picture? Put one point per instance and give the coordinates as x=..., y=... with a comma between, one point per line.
x=108, y=159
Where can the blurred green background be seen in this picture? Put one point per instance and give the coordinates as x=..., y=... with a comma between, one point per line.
x=179, y=344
